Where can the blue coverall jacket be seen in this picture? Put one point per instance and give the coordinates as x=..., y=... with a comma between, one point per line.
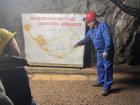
x=102, y=41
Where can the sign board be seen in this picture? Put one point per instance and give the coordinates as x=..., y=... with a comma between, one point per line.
x=49, y=39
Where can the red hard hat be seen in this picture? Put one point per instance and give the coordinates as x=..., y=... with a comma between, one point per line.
x=90, y=15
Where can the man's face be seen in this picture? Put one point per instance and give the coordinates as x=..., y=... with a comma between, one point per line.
x=91, y=24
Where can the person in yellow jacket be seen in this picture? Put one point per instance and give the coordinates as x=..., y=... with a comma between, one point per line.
x=9, y=46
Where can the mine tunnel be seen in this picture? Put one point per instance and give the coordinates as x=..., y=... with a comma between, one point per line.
x=123, y=17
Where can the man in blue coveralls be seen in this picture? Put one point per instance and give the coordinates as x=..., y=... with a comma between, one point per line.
x=99, y=34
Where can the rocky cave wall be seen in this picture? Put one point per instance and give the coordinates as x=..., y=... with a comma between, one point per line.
x=124, y=27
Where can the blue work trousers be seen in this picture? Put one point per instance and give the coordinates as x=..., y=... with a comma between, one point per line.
x=105, y=70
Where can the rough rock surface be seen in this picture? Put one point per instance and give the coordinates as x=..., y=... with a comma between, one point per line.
x=125, y=29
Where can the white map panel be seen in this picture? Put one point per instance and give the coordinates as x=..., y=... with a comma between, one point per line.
x=49, y=38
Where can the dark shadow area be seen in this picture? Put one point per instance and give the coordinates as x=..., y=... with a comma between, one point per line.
x=136, y=51
x=124, y=68
x=87, y=55
x=129, y=78
x=116, y=90
x=132, y=81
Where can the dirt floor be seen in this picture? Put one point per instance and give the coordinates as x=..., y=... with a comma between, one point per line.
x=76, y=89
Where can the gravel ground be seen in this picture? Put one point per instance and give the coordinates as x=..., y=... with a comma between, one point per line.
x=125, y=89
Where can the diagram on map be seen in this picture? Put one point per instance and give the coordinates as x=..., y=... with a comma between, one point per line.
x=49, y=38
